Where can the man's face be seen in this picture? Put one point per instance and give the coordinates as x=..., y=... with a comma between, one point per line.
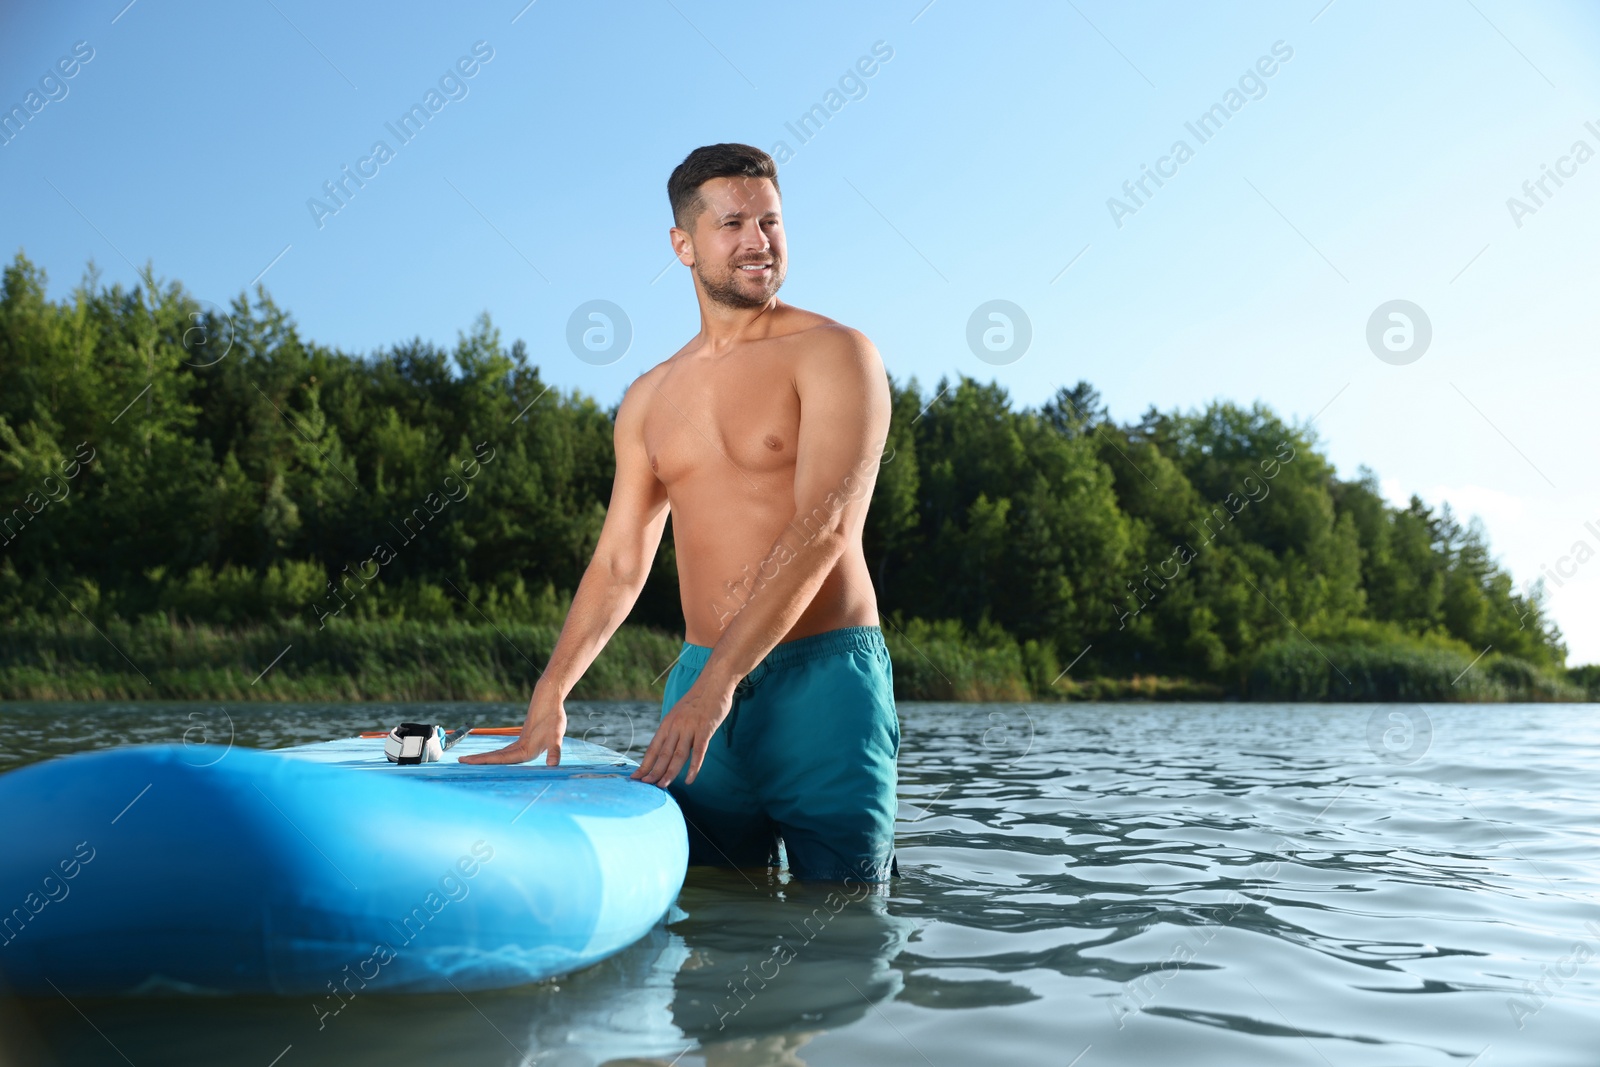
x=738, y=246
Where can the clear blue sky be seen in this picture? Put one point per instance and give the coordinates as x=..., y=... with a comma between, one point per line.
x=975, y=164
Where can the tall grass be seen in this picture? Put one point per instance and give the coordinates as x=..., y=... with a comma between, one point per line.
x=1374, y=663
x=346, y=660
x=157, y=658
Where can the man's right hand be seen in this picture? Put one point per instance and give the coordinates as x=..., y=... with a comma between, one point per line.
x=541, y=732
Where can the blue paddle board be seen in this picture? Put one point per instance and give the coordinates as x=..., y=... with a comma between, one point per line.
x=324, y=869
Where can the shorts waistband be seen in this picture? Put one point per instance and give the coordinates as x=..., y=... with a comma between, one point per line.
x=788, y=653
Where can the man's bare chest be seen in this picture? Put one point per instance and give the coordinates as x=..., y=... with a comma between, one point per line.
x=733, y=419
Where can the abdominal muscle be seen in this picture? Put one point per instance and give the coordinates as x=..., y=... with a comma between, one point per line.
x=723, y=539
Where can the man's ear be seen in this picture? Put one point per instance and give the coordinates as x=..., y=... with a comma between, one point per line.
x=682, y=245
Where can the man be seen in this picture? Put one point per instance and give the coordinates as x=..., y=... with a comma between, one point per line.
x=762, y=437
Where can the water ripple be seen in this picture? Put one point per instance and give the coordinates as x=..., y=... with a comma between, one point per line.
x=1198, y=884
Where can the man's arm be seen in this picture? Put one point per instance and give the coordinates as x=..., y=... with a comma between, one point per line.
x=844, y=421
x=611, y=584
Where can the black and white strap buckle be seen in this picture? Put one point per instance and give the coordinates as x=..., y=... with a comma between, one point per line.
x=420, y=742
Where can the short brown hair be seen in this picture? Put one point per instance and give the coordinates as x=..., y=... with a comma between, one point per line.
x=714, y=161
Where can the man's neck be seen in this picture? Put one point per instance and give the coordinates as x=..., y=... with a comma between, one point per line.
x=721, y=327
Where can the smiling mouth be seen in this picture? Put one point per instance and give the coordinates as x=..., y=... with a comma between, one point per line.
x=754, y=268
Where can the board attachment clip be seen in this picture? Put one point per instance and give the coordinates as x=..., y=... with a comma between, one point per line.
x=421, y=742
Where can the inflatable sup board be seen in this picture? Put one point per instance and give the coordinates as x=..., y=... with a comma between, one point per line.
x=325, y=869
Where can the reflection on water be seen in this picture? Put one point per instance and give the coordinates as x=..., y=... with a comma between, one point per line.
x=1204, y=884
x=750, y=967
x=810, y=958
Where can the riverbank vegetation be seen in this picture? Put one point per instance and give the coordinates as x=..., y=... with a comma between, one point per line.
x=200, y=503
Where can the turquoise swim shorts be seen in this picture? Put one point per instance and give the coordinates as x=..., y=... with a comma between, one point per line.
x=805, y=756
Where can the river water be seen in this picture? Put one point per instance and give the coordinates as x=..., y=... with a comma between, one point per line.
x=1084, y=885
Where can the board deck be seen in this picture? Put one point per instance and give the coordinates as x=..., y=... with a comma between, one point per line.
x=586, y=778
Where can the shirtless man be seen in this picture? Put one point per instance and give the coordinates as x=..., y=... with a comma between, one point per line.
x=762, y=436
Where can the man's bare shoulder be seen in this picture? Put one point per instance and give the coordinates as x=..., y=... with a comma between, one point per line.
x=792, y=320
x=812, y=334
x=636, y=399
x=813, y=326
x=832, y=348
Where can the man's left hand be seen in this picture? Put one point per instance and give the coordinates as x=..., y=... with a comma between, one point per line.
x=684, y=733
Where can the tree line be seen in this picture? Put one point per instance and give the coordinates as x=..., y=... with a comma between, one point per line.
x=161, y=457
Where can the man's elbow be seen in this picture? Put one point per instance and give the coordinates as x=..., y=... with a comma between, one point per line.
x=626, y=571
x=822, y=531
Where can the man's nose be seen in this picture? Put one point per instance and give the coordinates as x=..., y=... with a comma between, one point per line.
x=756, y=237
